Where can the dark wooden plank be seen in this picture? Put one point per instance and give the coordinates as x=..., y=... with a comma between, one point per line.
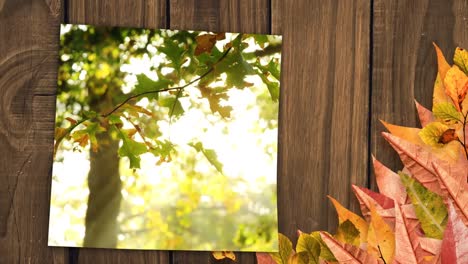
x=404, y=61
x=125, y=13
x=139, y=13
x=323, y=109
x=250, y=16
x=28, y=75
x=213, y=15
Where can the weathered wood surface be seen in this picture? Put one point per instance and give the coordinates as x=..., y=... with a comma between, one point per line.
x=404, y=62
x=28, y=75
x=323, y=109
x=345, y=65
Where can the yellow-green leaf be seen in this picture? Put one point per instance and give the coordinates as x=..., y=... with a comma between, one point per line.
x=285, y=250
x=429, y=207
x=446, y=111
x=344, y=214
x=460, y=58
x=325, y=252
x=348, y=233
x=306, y=243
x=300, y=258
x=433, y=133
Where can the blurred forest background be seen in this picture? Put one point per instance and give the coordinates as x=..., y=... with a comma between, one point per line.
x=165, y=140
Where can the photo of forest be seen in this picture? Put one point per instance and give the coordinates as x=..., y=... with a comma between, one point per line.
x=166, y=140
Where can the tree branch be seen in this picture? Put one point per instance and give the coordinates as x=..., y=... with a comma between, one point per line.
x=171, y=88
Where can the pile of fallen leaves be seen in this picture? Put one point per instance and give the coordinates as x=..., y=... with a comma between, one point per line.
x=421, y=212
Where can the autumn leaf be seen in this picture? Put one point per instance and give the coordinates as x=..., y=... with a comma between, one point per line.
x=417, y=160
x=346, y=215
x=300, y=258
x=224, y=254
x=264, y=258
x=206, y=42
x=454, y=186
x=447, y=112
x=425, y=115
x=309, y=245
x=456, y=86
x=437, y=134
x=345, y=253
x=409, y=240
x=348, y=233
x=380, y=239
x=389, y=182
x=367, y=199
x=325, y=252
x=439, y=89
x=285, y=250
x=429, y=207
x=460, y=58
x=215, y=100
x=455, y=242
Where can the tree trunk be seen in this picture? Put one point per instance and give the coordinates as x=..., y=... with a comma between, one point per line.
x=104, y=195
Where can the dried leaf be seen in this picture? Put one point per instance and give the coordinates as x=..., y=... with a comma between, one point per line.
x=446, y=111
x=455, y=242
x=437, y=134
x=285, y=250
x=344, y=215
x=224, y=254
x=456, y=86
x=460, y=58
x=425, y=115
x=347, y=253
x=205, y=43
x=264, y=258
x=454, y=186
x=389, y=183
x=439, y=89
x=429, y=207
x=380, y=239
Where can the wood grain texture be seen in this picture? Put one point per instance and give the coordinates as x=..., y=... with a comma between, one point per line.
x=28, y=75
x=404, y=61
x=323, y=109
x=126, y=13
x=130, y=13
x=250, y=16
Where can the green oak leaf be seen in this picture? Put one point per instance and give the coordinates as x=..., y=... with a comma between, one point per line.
x=149, y=86
x=210, y=155
x=131, y=149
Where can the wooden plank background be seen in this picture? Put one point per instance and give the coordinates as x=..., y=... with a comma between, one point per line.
x=346, y=64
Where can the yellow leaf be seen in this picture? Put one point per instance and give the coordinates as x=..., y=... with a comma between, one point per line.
x=435, y=133
x=456, y=86
x=442, y=63
x=224, y=254
x=460, y=58
x=439, y=95
x=410, y=134
x=381, y=239
x=344, y=214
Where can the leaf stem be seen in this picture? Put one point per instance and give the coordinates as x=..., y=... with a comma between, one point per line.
x=180, y=88
x=381, y=255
